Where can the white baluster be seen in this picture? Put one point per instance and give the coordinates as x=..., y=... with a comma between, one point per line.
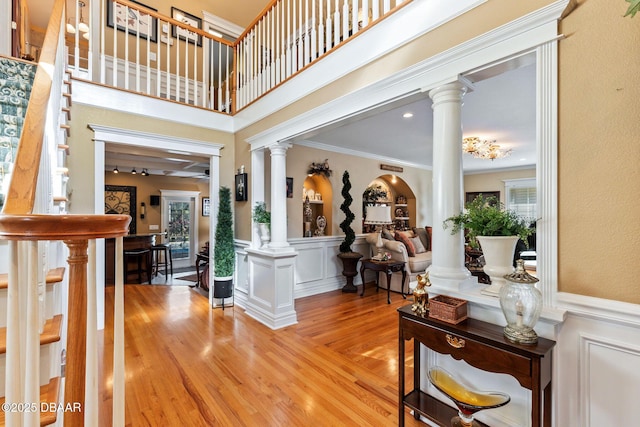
x=314, y=34
x=365, y=13
x=126, y=52
x=345, y=20
x=13, y=361
x=103, y=65
x=114, y=71
x=168, y=89
x=32, y=353
x=149, y=56
x=137, y=55
x=289, y=42
x=328, y=26
x=307, y=33
x=375, y=10
x=386, y=6
x=320, y=28
x=336, y=25
x=354, y=18
x=158, y=59
x=118, y=338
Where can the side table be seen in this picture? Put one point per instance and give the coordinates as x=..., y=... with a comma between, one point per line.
x=387, y=267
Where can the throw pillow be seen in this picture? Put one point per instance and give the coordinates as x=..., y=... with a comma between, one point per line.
x=430, y=234
x=411, y=250
x=417, y=244
x=424, y=237
x=386, y=234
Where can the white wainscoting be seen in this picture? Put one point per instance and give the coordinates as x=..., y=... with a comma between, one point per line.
x=318, y=268
x=597, y=363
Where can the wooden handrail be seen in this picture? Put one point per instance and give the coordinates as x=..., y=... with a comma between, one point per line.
x=172, y=21
x=22, y=188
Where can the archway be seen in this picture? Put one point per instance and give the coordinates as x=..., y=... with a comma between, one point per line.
x=393, y=191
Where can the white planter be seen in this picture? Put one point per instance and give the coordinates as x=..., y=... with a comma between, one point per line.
x=498, y=256
x=265, y=235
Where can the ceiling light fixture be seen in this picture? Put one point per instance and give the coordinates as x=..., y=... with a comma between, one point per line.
x=407, y=115
x=144, y=172
x=483, y=148
x=115, y=170
x=82, y=26
x=133, y=171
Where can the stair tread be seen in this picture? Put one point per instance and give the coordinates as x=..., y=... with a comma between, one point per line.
x=54, y=275
x=50, y=333
x=49, y=393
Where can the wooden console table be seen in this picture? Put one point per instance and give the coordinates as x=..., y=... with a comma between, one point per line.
x=482, y=345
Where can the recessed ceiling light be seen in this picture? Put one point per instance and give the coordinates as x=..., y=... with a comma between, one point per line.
x=407, y=115
x=523, y=159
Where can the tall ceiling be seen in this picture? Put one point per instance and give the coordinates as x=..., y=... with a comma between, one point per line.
x=500, y=107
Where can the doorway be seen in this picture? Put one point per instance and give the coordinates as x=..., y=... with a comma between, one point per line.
x=180, y=221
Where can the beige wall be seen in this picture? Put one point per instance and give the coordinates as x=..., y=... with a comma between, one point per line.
x=82, y=183
x=599, y=152
x=151, y=185
x=495, y=181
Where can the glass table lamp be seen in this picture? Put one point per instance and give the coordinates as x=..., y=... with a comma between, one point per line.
x=378, y=216
x=468, y=400
x=521, y=303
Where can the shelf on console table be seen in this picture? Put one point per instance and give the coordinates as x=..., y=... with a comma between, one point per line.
x=482, y=345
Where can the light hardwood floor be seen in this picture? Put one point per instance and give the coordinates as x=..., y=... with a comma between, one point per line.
x=189, y=365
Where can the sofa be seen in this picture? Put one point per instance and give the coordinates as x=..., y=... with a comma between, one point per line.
x=396, y=245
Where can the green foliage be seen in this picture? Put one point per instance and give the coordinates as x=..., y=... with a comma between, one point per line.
x=634, y=7
x=345, y=226
x=224, y=254
x=487, y=217
x=374, y=193
x=260, y=213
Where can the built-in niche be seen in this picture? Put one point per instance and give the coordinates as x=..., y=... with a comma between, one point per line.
x=317, y=198
x=392, y=191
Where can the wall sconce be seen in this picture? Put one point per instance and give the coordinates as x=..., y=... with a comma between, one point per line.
x=143, y=210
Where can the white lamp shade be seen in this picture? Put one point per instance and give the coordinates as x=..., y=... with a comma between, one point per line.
x=378, y=215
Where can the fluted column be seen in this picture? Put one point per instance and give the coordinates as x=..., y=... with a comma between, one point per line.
x=279, y=195
x=448, y=268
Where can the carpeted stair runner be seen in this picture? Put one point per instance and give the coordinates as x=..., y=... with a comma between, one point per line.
x=16, y=79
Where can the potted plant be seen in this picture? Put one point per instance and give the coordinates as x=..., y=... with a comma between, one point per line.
x=348, y=257
x=262, y=217
x=497, y=230
x=223, y=253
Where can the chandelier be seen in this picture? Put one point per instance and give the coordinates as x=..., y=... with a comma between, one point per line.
x=483, y=148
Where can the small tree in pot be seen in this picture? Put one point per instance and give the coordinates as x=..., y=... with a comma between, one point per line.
x=262, y=217
x=224, y=254
x=348, y=257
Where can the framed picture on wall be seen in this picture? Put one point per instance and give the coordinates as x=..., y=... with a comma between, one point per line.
x=121, y=200
x=470, y=196
x=241, y=187
x=190, y=20
x=289, y=187
x=206, y=206
x=133, y=21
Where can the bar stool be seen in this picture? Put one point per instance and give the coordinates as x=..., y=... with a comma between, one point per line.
x=140, y=256
x=165, y=250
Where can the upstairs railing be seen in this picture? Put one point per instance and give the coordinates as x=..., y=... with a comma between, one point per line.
x=174, y=58
x=292, y=34
x=25, y=230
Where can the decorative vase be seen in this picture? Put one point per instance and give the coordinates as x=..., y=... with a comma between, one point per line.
x=521, y=303
x=265, y=235
x=349, y=269
x=498, y=256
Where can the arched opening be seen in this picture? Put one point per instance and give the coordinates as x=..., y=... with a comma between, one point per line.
x=317, y=199
x=390, y=190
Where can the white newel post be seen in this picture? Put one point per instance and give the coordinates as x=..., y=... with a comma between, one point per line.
x=447, y=270
x=279, y=195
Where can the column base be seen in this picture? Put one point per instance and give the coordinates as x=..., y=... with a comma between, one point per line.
x=448, y=279
x=271, y=281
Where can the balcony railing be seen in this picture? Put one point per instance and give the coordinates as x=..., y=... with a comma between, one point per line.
x=140, y=50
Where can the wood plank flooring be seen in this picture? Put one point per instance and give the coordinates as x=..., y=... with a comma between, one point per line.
x=189, y=365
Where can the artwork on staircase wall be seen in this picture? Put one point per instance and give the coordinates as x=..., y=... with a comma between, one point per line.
x=121, y=199
x=132, y=20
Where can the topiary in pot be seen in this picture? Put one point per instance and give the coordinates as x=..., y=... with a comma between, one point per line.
x=348, y=257
x=223, y=252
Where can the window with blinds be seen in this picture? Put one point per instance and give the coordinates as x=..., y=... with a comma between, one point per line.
x=521, y=197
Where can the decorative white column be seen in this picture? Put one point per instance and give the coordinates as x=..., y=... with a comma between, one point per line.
x=447, y=270
x=279, y=195
x=257, y=190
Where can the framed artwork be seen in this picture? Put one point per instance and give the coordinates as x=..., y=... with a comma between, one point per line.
x=289, y=188
x=121, y=200
x=183, y=33
x=206, y=206
x=241, y=187
x=471, y=195
x=133, y=21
